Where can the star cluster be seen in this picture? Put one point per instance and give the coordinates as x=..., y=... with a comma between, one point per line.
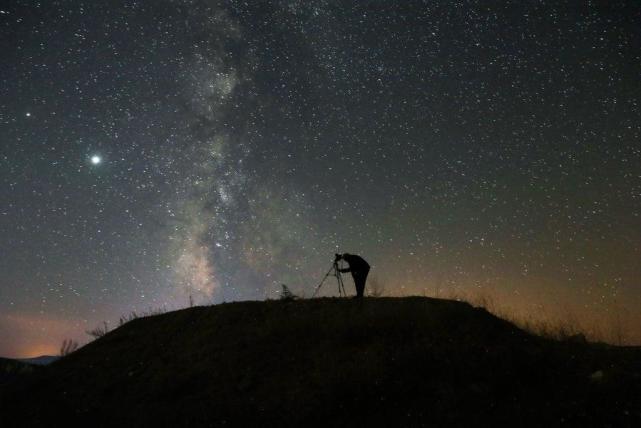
x=159, y=151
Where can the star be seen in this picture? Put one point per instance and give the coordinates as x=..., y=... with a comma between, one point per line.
x=95, y=160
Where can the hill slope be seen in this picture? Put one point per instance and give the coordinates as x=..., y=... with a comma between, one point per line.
x=11, y=370
x=330, y=362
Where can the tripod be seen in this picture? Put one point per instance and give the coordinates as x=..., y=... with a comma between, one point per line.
x=333, y=271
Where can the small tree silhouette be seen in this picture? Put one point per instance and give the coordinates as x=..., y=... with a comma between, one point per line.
x=286, y=294
x=68, y=346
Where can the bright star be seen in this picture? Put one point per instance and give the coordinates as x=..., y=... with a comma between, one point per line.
x=95, y=159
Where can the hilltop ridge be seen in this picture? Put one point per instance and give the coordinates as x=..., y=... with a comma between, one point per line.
x=337, y=362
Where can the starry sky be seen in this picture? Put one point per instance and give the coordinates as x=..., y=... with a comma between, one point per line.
x=154, y=150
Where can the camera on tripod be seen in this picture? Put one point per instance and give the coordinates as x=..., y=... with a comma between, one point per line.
x=336, y=272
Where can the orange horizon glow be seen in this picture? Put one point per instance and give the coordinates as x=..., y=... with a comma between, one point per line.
x=33, y=335
x=28, y=335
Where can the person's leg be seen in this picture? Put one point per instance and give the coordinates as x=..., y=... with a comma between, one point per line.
x=359, y=282
x=365, y=279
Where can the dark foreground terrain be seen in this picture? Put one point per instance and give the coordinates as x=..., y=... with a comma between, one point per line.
x=329, y=362
x=13, y=370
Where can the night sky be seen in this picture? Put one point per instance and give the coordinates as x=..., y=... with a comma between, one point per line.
x=156, y=149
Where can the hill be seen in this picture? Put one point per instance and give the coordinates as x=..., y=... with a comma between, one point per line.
x=330, y=362
x=11, y=370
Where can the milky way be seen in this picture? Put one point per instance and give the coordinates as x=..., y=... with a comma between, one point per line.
x=155, y=152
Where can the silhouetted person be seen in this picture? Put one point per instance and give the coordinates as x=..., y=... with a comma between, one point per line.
x=359, y=269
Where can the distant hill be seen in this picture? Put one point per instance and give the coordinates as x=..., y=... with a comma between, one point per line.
x=330, y=362
x=42, y=360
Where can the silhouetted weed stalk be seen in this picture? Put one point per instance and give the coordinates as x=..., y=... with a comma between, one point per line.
x=67, y=347
x=103, y=329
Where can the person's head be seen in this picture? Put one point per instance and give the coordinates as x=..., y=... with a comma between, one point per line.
x=345, y=255
x=337, y=257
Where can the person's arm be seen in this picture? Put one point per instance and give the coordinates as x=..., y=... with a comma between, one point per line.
x=344, y=270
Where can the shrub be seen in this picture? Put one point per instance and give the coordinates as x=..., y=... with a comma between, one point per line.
x=286, y=294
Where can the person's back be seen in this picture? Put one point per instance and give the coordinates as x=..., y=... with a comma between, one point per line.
x=356, y=263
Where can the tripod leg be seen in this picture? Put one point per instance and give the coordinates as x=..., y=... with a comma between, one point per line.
x=339, y=279
x=341, y=285
x=322, y=281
